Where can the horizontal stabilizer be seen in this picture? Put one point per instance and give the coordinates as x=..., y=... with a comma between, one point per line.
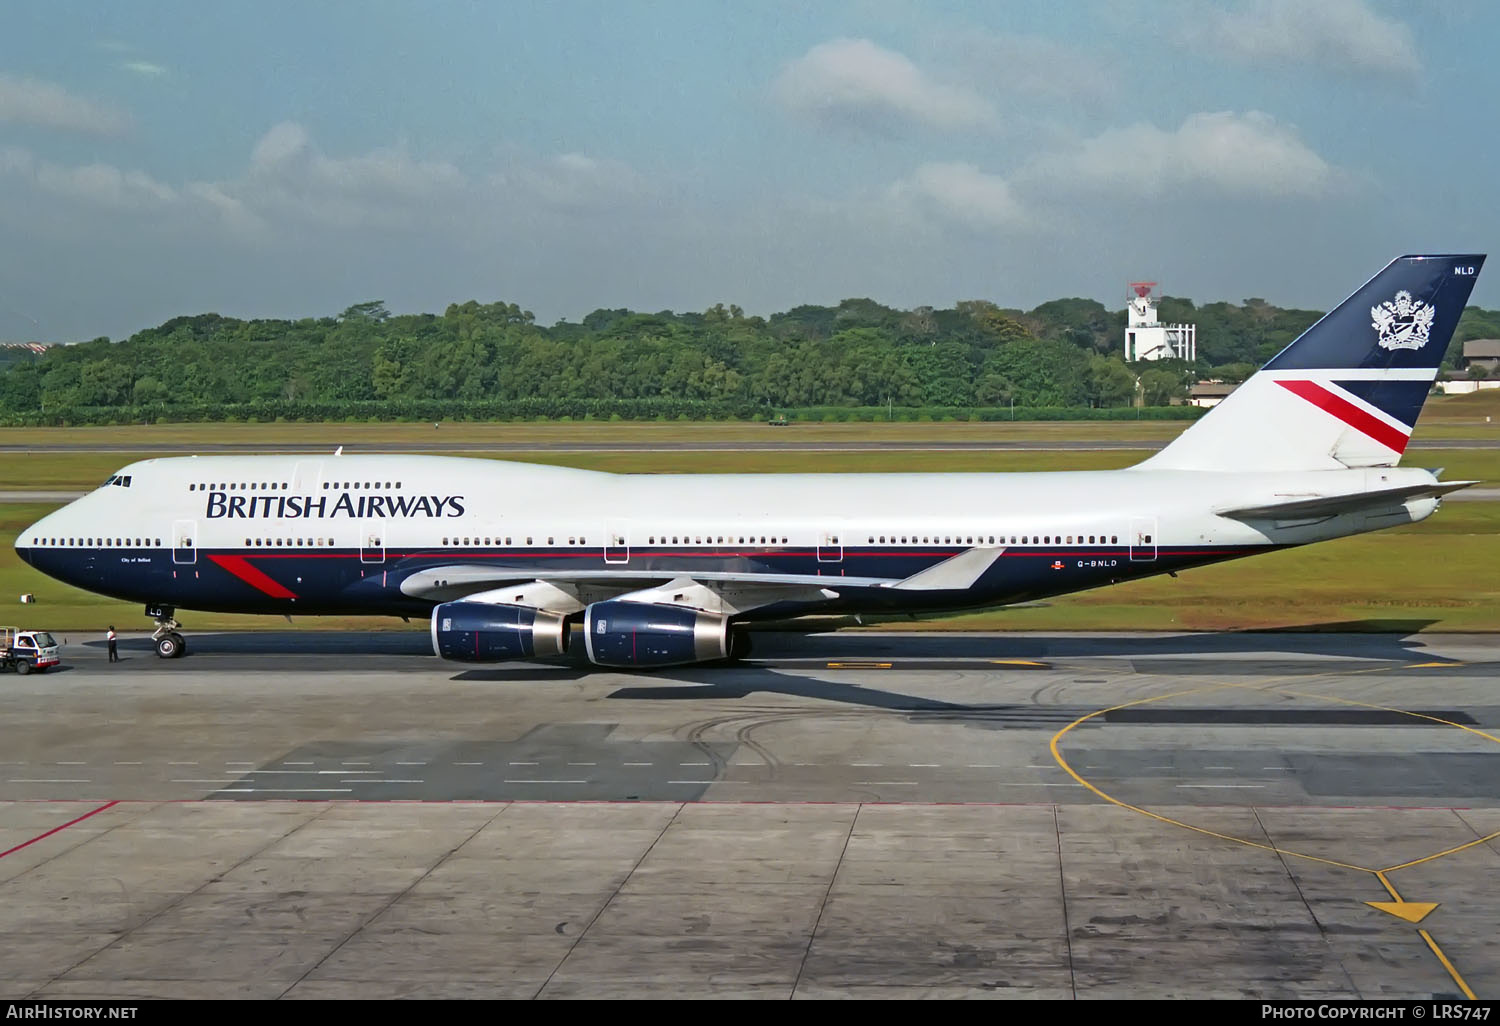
x=957, y=573
x=1331, y=505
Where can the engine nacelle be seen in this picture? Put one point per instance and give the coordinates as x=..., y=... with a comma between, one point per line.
x=619, y=633
x=485, y=632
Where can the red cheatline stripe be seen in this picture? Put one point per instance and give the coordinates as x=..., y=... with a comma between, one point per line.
x=55, y=829
x=241, y=568
x=1344, y=410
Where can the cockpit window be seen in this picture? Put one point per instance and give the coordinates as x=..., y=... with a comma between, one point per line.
x=119, y=480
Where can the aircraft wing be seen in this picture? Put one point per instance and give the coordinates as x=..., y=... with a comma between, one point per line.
x=715, y=591
x=1332, y=505
x=570, y=590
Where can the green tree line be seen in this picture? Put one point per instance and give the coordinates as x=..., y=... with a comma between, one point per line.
x=473, y=358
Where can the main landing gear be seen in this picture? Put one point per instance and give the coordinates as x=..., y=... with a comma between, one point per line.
x=169, y=642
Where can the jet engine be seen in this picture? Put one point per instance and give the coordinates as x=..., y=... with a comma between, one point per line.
x=485, y=632
x=622, y=633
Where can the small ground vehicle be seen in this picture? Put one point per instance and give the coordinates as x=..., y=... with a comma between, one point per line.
x=24, y=651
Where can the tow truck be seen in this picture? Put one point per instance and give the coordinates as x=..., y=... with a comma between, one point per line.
x=24, y=651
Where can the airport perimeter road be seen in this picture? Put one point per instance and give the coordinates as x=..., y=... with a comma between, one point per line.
x=322, y=815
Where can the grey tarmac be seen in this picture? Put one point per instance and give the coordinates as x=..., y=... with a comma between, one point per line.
x=304, y=814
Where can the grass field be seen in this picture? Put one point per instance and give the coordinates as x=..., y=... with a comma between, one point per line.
x=75, y=471
x=1443, y=417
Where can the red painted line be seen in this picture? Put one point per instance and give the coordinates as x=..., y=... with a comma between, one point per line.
x=54, y=830
x=241, y=568
x=1350, y=414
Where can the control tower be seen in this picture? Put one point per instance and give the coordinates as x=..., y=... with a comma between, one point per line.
x=1146, y=338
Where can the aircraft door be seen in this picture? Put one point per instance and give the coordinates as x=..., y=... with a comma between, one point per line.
x=617, y=542
x=185, y=541
x=1143, y=539
x=305, y=477
x=372, y=541
x=830, y=547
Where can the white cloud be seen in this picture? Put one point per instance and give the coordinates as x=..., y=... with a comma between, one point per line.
x=289, y=175
x=857, y=83
x=1034, y=66
x=1248, y=154
x=963, y=193
x=1340, y=35
x=31, y=101
x=146, y=68
x=100, y=186
x=290, y=188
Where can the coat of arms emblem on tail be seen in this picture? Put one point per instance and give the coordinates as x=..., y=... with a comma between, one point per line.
x=1403, y=322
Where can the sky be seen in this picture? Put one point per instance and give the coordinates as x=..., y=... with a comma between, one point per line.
x=274, y=158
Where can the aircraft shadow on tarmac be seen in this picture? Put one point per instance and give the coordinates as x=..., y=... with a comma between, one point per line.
x=1378, y=639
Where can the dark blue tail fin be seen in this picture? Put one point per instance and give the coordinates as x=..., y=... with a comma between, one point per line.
x=1348, y=391
x=1402, y=317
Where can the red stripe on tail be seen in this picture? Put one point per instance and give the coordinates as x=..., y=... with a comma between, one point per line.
x=1344, y=410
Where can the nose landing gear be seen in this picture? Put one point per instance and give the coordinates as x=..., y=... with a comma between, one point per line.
x=169, y=643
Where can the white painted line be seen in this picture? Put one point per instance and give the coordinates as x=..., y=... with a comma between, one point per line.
x=885, y=783
x=127, y=764
x=695, y=764
x=286, y=790
x=239, y=764
x=369, y=781
x=210, y=780
x=509, y=764
x=1283, y=769
x=692, y=781
x=862, y=765
x=46, y=780
x=1219, y=767
x=546, y=781
x=70, y=764
x=756, y=763
x=994, y=765
x=922, y=765
x=297, y=763
x=364, y=763
x=411, y=764
x=630, y=764
x=1221, y=786
x=583, y=764
x=468, y=764
x=315, y=773
x=1034, y=783
x=1160, y=767
x=182, y=763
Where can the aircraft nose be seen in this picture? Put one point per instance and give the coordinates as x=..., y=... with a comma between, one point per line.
x=24, y=540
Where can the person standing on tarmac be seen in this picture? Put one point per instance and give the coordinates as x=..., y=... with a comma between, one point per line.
x=114, y=656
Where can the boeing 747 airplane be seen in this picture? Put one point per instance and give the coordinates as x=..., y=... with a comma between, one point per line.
x=660, y=570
